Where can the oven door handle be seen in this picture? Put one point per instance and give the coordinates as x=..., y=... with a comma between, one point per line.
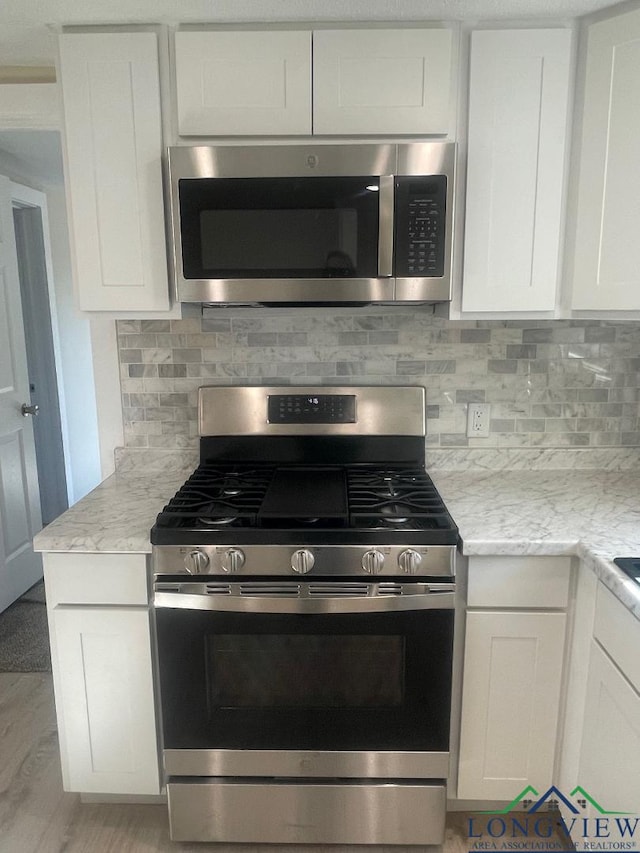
x=434, y=600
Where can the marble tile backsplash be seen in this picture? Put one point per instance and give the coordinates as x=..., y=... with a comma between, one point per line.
x=550, y=384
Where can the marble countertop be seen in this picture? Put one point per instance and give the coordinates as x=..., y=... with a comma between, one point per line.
x=115, y=517
x=593, y=514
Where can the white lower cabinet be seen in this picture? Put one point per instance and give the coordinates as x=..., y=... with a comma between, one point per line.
x=610, y=755
x=512, y=676
x=102, y=673
x=609, y=767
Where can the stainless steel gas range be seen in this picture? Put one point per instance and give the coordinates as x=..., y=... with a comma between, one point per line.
x=304, y=591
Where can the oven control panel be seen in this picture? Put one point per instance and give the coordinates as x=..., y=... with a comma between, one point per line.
x=311, y=409
x=312, y=560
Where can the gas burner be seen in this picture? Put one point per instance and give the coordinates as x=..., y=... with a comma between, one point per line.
x=394, y=513
x=218, y=521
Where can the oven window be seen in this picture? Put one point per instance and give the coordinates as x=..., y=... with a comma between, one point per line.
x=304, y=671
x=313, y=681
x=279, y=227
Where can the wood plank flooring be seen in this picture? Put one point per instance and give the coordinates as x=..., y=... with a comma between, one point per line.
x=37, y=816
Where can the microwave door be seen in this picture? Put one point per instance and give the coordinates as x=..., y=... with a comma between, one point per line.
x=282, y=227
x=321, y=239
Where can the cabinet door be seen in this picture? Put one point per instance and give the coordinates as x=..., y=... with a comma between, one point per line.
x=510, y=701
x=606, y=265
x=517, y=135
x=111, y=95
x=104, y=699
x=382, y=81
x=240, y=83
x=610, y=756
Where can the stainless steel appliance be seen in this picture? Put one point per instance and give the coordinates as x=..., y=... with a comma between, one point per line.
x=630, y=566
x=304, y=592
x=314, y=223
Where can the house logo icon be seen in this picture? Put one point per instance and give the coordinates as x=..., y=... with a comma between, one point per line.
x=531, y=801
x=554, y=822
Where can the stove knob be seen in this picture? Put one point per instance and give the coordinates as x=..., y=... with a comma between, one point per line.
x=302, y=561
x=232, y=560
x=409, y=561
x=196, y=562
x=372, y=562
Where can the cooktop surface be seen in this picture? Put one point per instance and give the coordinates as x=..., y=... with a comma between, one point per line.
x=305, y=503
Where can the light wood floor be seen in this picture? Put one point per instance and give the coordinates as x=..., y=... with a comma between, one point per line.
x=37, y=816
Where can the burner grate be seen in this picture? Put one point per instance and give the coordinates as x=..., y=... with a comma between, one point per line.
x=217, y=496
x=395, y=499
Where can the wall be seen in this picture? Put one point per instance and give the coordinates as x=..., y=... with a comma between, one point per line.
x=76, y=362
x=70, y=327
x=549, y=383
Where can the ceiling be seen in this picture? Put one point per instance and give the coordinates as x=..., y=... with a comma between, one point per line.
x=27, y=27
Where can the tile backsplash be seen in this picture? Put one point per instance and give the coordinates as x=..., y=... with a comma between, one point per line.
x=550, y=384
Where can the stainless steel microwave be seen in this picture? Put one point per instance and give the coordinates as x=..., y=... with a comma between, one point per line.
x=313, y=224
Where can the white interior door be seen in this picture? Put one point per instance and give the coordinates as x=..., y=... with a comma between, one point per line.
x=20, y=519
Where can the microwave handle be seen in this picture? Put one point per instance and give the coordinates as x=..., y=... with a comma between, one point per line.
x=386, y=227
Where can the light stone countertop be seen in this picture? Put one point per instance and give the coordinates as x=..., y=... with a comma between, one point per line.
x=115, y=517
x=593, y=514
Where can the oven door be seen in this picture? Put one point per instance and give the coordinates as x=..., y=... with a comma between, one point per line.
x=305, y=679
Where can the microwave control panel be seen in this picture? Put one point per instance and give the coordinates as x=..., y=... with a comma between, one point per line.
x=420, y=211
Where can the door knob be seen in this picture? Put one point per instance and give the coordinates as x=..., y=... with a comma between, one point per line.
x=29, y=410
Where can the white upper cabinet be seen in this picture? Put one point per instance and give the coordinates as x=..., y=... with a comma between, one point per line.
x=606, y=263
x=113, y=138
x=244, y=82
x=518, y=108
x=382, y=81
x=341, y=82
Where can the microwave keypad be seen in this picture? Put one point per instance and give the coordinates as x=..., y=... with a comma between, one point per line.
x=424, y=217
x=420, y=226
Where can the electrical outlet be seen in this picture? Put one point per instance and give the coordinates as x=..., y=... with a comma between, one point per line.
x=478, y=420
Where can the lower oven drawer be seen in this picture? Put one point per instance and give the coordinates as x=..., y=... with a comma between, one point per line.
x=302, y=812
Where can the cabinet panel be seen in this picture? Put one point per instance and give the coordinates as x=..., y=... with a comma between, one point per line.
x=606, y=271
x=618, y=632
x=237, y=83
x=113, y=143
x=104, y=700
x=517, y=134
x=611, y=741
x=510, y=701
x=85, y=578
x=519, y=581
x=382, y=81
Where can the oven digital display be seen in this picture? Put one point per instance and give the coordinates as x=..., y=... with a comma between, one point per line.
x=311, y=409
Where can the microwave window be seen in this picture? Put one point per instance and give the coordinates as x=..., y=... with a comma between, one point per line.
x=322, y=240
x=279, y=227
